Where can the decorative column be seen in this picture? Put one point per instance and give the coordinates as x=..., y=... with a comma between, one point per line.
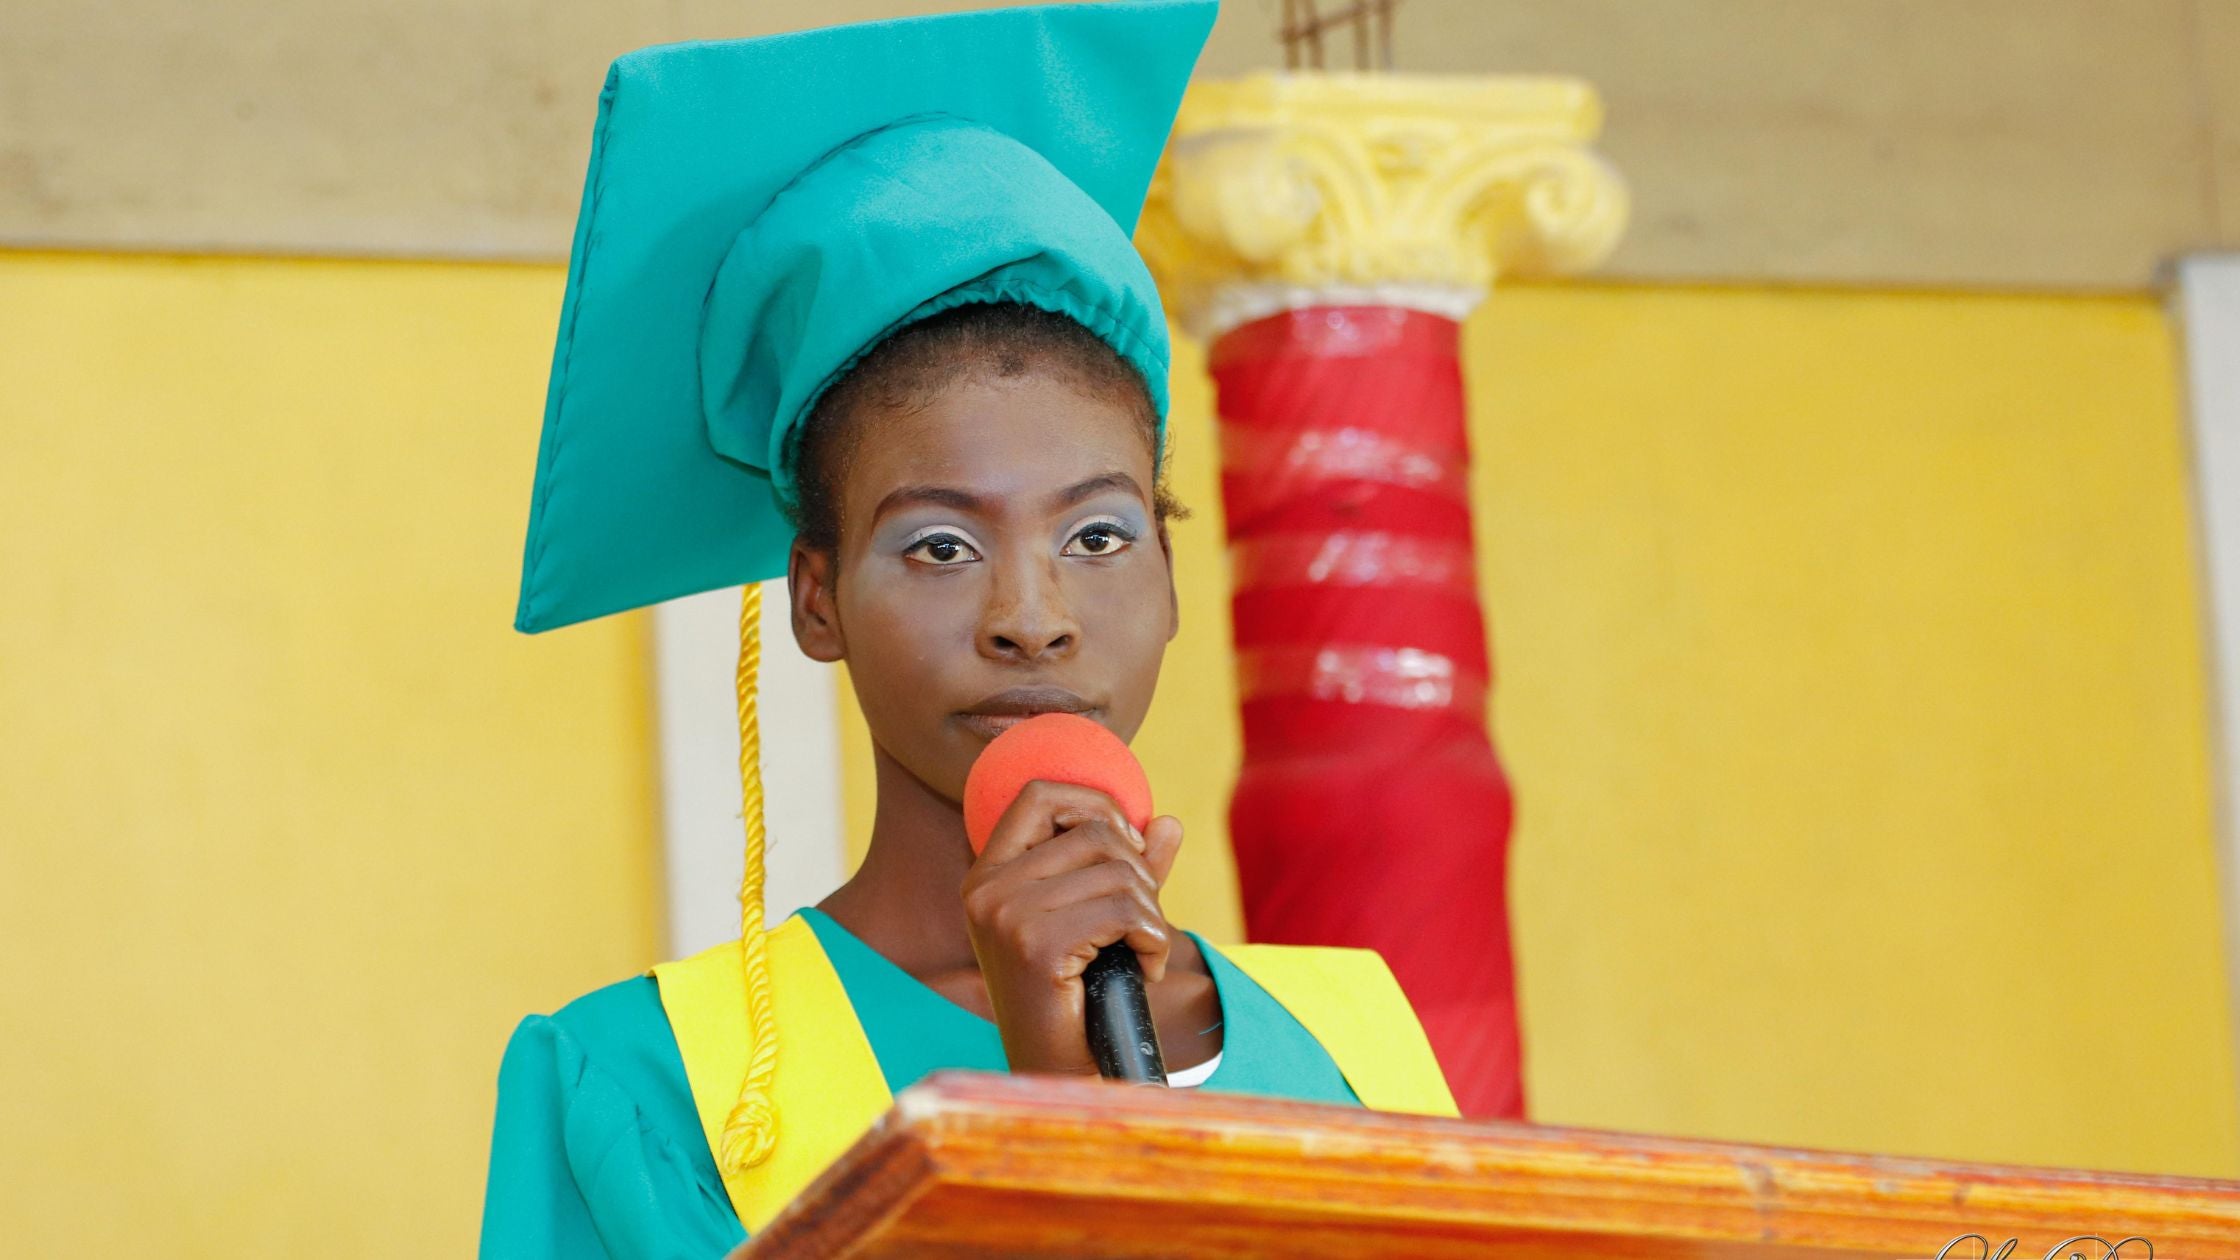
x=1324, y=235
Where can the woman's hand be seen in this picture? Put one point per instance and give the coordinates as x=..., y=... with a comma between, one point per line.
x=1064, y=875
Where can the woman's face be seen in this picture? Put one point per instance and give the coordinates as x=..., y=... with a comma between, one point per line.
x=999, y=557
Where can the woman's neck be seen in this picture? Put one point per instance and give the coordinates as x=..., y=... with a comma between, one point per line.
x=904, y=900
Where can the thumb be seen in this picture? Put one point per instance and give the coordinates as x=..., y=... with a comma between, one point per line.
x=1162, y=841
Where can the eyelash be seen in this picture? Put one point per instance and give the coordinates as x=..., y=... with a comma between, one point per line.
x=918, y=544
x=1126, y=537
x=1113, y=529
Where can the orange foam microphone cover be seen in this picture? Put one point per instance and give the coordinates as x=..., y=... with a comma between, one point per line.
x=1059, y=748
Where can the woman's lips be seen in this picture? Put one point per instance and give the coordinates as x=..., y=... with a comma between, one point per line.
x=992, y=715
x=990, y=725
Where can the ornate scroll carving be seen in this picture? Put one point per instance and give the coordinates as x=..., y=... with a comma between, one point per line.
x=1287, y=190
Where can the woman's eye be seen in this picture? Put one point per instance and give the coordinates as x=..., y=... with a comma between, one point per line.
x=1100, y=540
x=941, y=549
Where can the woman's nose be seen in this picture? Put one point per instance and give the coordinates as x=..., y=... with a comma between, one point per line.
x=1027, y=617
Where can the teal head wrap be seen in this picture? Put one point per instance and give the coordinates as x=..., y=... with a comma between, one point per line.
x=760, y=213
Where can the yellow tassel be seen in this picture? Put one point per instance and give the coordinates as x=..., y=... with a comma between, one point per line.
x=751, y=1131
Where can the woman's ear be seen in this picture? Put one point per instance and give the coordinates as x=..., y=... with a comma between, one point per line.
x=816, y=612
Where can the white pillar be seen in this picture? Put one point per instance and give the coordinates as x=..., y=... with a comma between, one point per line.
x=696, y=650
x=2209, y=319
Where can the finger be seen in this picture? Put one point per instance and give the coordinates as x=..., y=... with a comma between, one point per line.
x=1149, y=936
x=1162, y=843
x=1093, y=884
x=1018, y=891
x=1042, y=810
x=1088, y=844
x=1042, y=918
x=1079, y=930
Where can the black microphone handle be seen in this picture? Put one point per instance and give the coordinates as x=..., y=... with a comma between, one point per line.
x=1122, y=1036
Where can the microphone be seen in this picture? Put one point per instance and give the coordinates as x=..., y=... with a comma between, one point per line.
x=1069, y=748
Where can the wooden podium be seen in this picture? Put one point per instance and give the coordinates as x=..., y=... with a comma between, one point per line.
x=986, y=1165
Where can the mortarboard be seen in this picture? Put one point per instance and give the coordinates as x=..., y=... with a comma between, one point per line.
x=757, y=215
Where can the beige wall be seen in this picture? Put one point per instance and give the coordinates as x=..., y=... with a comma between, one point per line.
x=2005, y=143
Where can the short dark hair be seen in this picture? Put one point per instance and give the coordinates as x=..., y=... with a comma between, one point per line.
x=905, y=371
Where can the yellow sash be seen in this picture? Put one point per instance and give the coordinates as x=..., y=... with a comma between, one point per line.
x=1347, y=1000
x=828, y=1089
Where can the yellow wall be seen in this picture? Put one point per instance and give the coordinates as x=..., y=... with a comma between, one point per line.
x=292, y=825
x=1849, y=676
x=1851, y=684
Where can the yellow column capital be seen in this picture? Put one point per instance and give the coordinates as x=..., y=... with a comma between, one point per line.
x=1284, y=190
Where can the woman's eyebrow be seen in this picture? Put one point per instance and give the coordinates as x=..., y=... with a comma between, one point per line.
x=939, y=496
x=1080, y=490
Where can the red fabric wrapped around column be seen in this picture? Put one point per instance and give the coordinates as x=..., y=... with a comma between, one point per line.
x=1371, y=809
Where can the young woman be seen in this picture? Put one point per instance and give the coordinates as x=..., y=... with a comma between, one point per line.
x=925, y=379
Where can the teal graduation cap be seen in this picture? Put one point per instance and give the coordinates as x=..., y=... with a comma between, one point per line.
x=759, y=213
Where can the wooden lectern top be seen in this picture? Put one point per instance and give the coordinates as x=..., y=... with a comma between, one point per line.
x=969, y=1164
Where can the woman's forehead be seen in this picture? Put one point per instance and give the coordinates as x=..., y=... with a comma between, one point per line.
x=1027, y=437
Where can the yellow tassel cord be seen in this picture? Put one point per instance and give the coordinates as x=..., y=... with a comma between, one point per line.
x=751, y=1131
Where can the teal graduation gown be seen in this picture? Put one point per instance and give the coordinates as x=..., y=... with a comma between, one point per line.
x=597, y=1151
